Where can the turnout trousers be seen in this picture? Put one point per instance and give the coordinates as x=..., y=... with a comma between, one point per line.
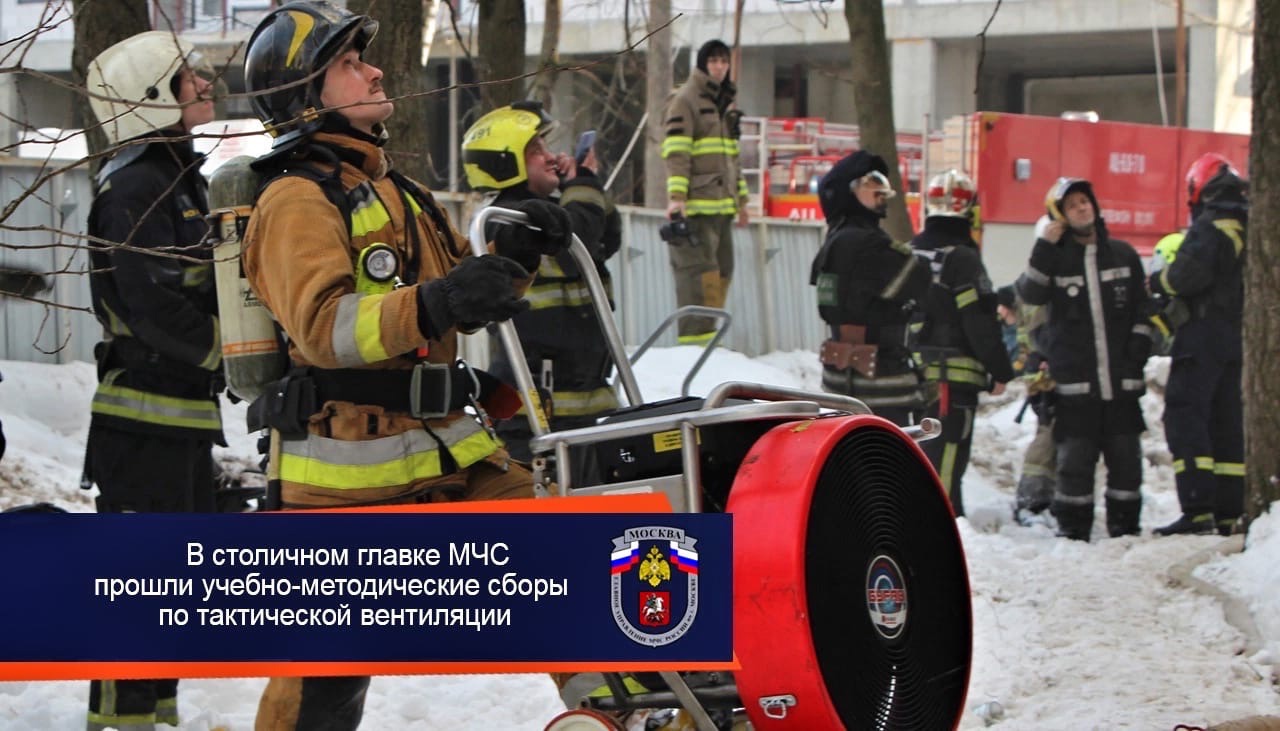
x=337, y=703
x=949, y=452
x=141, y=473
x=703, y=272
x=1204, y=420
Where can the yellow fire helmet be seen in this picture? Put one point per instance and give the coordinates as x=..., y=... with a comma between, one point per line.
x=1061, y=187
x=493, y=149
x=1166, y=250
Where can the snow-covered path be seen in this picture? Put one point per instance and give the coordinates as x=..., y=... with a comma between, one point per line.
x=1066, y=635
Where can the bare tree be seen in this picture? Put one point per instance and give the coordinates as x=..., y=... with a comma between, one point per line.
x=549, y=63
x=1262, y=274
x=100, y=24
x=398, y=52
x=873, y=98
x=657, y=87
x=500, y=50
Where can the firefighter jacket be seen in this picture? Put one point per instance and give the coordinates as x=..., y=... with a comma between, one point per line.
x=700, y=151
x=865, y=278
x=153, y=291
x=562, y=339
x=300, y=258
x=1208, y=271
x=961, y=340
x=1096, y=338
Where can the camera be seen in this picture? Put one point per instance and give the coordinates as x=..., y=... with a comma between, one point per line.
x=676, y=231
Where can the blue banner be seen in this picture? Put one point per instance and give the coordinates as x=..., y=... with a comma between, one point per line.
x=405, y=587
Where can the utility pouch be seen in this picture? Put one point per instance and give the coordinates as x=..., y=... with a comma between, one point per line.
x=860, y=357
x=286, y=406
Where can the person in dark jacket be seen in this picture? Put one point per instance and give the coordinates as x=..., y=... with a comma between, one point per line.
x=563, y=343
x=155, y=413
x=960, y=342
x=1097, y=341
x=868, y=286
x=1203, y=413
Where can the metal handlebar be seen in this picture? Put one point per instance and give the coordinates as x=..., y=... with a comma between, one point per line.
x=600, y=303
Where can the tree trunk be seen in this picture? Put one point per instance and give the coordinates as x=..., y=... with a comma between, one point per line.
x=1261, y=388
x=548, y=66
x=397, y=50
x=100, y=24
x=658, y=83
x=500, y=51
x=873, y=97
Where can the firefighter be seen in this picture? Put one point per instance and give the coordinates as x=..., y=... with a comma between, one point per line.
x=330, y=238
x=154, y=415
x=704, y=186
x=867, y=289
x=562, y=340
x=960, y=344
x=1203, y=415
x=1097, y=343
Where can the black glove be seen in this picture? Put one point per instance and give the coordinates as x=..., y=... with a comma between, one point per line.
x=479, y=290
x=527, y=246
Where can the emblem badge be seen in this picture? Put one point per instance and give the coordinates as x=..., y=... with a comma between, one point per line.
x=886, y=597
x=654, y=584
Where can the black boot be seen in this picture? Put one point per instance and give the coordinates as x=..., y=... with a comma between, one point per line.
x=1227, y=526
x=1074, y=521
x=1188, y=524
x=1122, y=517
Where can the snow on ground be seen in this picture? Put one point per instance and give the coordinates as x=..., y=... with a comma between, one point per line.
x=1066, y=635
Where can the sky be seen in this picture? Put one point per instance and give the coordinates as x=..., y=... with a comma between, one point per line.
x=1067, y=635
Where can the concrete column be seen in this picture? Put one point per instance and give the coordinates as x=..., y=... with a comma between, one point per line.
x=955, y=80
x=1202, y=76
x=1233, y=107
x=755, y=81
x=912, y=65
x=832, y=98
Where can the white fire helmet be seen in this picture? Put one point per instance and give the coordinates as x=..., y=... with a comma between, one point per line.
x=950, y=193
x=136, y=72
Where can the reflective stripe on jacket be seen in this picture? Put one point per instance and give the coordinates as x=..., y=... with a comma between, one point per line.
x=701, y=158
x=301, y=262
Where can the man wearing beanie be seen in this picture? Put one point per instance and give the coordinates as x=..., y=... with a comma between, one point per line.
x=704, y=186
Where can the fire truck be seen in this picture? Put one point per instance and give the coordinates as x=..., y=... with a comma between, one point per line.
x=783, y=159
x=1137, y=171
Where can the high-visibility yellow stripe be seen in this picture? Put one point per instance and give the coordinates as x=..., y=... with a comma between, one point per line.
x=676, y=144
x=357, y=331
x=948, y=466
x=369, y=216
x=966, y=298
x=1232, y=228
x=103, y=721
x=1229, y=469
x=368, y=330
x=710, y=207
x=714, y=146
x=584, y=403
x=1204, y=463
x=677, y=184
x=546, y=296
x=151, y=408
x=699, y=339
x=743, y=191
x=214, y=356
x=400, y=459
x=582, y=194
